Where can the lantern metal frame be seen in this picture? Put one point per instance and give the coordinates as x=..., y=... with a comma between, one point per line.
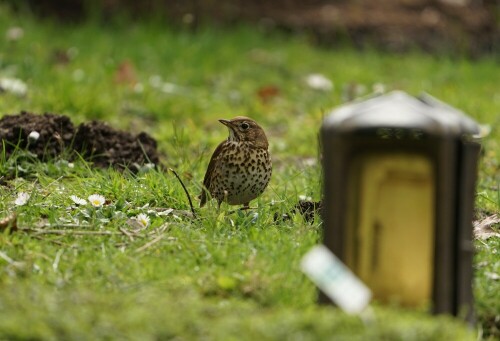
x=399, y=123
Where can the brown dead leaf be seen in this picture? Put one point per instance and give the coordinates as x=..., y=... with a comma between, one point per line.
x=60, y=57
x=483, y=229
x=187, y=175
x=267, y=93
x=125, y=73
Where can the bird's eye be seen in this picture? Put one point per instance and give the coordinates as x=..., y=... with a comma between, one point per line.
x=244, y=126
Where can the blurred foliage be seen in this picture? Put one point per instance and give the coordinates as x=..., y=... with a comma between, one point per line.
x=469, y=26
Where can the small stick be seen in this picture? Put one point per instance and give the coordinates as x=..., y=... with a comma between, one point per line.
x=52, y=241
x=71, y=232
x=126, y=233
x=185, y=190
x=151, y=243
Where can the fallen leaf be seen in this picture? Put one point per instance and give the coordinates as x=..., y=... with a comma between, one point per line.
x=60, y=57
x=483, y=229
x=125, y=74
x=267, y=93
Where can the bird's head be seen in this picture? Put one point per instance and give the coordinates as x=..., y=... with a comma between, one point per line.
x=245, y=129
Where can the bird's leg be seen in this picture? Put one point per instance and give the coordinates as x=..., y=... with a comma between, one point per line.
x=246, y=206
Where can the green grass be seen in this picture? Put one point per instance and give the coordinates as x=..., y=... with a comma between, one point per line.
x=223, y=276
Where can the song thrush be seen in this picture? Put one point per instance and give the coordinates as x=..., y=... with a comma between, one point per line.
x=240, y=167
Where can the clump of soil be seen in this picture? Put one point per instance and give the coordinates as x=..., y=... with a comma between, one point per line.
x=56, y=133
x=106, y=146
x=49, y=135
x=308, y=209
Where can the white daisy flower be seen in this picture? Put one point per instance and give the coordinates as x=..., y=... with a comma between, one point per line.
x=22, y=199
x=96, y=200
x=78, y=200
x=143, y=219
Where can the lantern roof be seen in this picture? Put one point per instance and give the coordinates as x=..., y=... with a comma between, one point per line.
x=399, y=110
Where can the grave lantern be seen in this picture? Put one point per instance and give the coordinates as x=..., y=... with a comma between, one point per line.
x=399, y=185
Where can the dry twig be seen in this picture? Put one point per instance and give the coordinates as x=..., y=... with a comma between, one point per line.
x=151, y=243
x=185, y=190
x=70, y=232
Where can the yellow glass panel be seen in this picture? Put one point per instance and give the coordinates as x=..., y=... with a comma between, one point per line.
x=390, y=237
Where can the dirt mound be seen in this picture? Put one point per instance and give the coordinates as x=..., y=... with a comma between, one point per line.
x=54, y=133
x=49, y=135
x=107, y=146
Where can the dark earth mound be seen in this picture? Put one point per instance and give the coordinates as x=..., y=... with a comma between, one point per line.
x=95, y=141
x=308, y=209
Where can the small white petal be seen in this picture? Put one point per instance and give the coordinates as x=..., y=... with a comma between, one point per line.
x=34, y=135
x=305, y=198
x=254, y=216
x=165, y=212
x=22, y=199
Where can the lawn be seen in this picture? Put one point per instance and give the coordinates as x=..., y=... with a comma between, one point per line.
x=226, y=275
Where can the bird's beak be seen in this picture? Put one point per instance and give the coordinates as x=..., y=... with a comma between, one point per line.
x=232, y=129
x=227, y=123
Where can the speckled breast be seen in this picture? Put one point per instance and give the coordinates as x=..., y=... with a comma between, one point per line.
x=243, y=173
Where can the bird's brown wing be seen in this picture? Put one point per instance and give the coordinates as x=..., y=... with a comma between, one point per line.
x=208, y=174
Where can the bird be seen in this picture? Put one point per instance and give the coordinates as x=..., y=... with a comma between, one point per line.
x=240, y=167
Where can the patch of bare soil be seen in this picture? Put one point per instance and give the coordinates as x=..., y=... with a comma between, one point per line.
x=50, y=135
